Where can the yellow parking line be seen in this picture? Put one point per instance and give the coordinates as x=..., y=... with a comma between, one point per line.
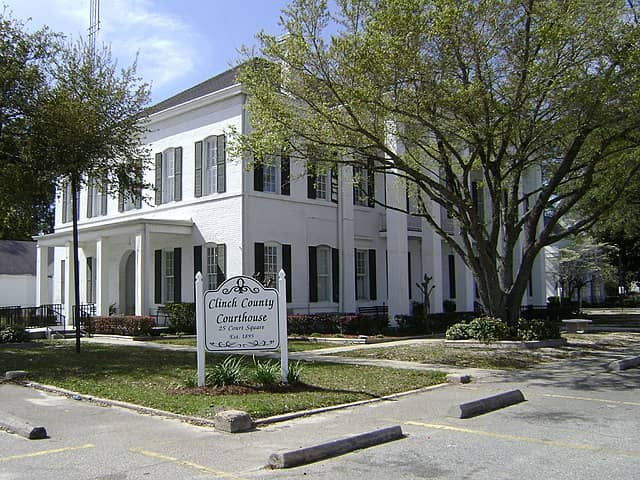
x=590, y=399
x=45, y=452
x=186, y=463
x=515, y=438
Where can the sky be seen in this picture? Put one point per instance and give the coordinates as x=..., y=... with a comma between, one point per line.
x=179, y=43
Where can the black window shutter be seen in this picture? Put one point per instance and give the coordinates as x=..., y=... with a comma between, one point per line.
x=313, y=274
x=197, y=184
x=103, y=198
x=335, y=274
x=90, y=200
x=221, y=163
x=409, y=270
x=286, y=266
x=285, y=174
x=158, y=179
x=258, y=178
x=157, y=298
x=373, y=294
x=371, y=184
x=334, y=185
x=221, y=267
x=197, y=260
x=177, y=274
x=177, y=191
x=259, y=258
x=311, y=180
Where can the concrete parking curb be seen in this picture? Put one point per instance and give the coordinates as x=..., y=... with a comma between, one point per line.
x=488, y=404
x=623, y=364
x=302, y=456
x=21, y=427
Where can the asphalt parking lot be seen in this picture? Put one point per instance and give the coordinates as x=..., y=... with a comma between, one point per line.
x=579, y=421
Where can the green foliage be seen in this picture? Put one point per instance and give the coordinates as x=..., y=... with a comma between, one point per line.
x=536, y=329
x=458, y=331
x=295, y=372
x=228, y=372
x=266, y=373
x=488, y=329
x=12, y=334
x=121, y=325
x=181, y=317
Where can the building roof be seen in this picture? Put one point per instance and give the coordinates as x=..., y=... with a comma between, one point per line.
x=219, y=82
x=17, y=258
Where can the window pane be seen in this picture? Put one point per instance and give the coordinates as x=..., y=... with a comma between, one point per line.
x=271, y=265
x=168, y=174
x=212, y=262
x=362, y=264
x=270, y=182
x=323, y=274
x=169, y=276
x=321, y=187
x=211, y=153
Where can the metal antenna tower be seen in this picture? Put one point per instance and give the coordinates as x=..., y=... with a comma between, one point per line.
x=94, y=22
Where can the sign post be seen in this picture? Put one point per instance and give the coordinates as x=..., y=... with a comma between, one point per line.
x=241, y=315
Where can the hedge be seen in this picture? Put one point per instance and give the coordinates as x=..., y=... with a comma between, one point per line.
x=121, y=325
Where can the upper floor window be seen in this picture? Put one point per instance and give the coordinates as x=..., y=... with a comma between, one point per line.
x=96, y=198
x=273, y=175
x=210, y=166
x=363, y=187
x=169, y=175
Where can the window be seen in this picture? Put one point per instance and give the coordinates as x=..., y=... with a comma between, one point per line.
x=273, y=175
x=210, y=166
x=96, y=199
x=216, y=267
x=324, y=274
x=169, y=175
x=91, y=280
x=169, y=276
x=67, y=205
x=271, y=265
x=362, y=275
x=364, y=186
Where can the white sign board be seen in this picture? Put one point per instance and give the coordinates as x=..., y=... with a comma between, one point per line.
x=241, y=315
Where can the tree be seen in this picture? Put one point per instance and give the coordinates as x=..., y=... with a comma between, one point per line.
x=25, y=199
x=526, y=105
x=89, y=127
x=582, y=262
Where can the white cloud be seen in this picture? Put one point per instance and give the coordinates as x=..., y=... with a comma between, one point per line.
x=166, y=44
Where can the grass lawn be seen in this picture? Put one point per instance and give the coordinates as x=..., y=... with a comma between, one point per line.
x=477, y=357
x=154, y=378
x=294, y=345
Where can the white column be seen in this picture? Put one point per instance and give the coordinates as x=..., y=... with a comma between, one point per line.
x=102, y=284
x=42, y=276
x=347, y=243
x=432, y=263
x=469, y=290
x=397, y=250
x=140, y=253
x=69, y=294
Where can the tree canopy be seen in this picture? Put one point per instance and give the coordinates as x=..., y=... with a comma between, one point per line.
x=533, y=103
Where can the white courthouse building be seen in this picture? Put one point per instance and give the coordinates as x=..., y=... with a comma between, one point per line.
x=214, y=213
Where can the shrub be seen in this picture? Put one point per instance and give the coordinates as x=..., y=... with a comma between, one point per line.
x=181, y=317
x=536, y=329
x=266, y=373
x=630, y=302
x=295, y=372
x=449, y=306
x=228, y=372
x=488, y=329
x=458, y=331
x=12, y=334
x=332, y=323
x=121, y=325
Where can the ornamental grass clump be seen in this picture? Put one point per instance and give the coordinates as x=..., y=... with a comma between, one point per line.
x=266, y=373
x=229, y=372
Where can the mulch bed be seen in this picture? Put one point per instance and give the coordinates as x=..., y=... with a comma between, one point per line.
x=245, y=389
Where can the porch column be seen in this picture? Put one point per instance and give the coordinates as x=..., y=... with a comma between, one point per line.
x=142, y=263
x=397, y=248
x=346, y=241
x=102, y=287
x=42, y=276
x=432, y=262
x=69, y=294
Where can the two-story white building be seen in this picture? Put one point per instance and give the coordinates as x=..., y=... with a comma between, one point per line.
x=214, y=213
